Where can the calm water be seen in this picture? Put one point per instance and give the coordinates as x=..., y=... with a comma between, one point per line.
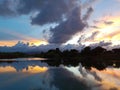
x=28, y=74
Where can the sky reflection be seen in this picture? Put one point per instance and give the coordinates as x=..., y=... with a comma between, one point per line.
x=29, y=69
x=24, y=59
x=40, y=76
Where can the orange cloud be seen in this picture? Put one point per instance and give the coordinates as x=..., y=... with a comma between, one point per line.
x=108, y=32
x=31, y=69
x=7, y=69
x=35, y=69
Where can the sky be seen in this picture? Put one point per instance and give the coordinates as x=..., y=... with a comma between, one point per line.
x=61, y=22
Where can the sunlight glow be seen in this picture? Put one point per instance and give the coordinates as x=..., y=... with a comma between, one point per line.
x=107, y=32
x=35, y=69
x=31, y=42
x=7, y=69
x=40, y=43
x=30, y=69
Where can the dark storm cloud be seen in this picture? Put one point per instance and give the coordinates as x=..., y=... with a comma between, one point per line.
x=67, y=13
x=54, y=11
x=5, y=8
x=18, y=7
x=65, y=30
x=48, y=10
x=28, y=6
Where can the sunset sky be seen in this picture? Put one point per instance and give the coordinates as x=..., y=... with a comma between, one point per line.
x=59, y=21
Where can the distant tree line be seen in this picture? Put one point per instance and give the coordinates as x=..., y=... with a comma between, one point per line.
x=7, y=55
x=87, y=52
x=98, y=57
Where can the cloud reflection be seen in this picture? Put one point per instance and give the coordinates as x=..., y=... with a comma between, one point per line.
x=107, y=79
x=29, y=69
x=40, y=76
x=7, y=69
x=35, y=69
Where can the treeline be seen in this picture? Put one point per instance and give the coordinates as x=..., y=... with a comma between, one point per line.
x=9, y=55
x=87, y=52
x=98, y=57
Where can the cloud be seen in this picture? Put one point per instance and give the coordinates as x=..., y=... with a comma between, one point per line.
x=5, y=8
x=27, y=48
x=47, y=11
x=91, y=40
x=88, y=14
x=54, y=11
x=81, y=39
x=93, y=36
x=102, y=44
x=108, y=22
x=66, y=13
x=68, y=28
x=24, y=47
x=88, y=3
x=84, y=38
x=95, y=27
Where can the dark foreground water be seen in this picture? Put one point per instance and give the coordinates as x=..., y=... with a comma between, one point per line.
x=32, y=74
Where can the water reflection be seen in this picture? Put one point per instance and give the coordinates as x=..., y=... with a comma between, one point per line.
x=29, y=69
x=23, y=59
x=107, y=79
x=38, y=75
x=7, y=69
x=19, y=66
x=35, y=69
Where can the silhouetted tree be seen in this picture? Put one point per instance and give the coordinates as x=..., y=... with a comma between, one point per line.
x=98, y=50
x=53, y=53
x=116, y=50
x=65, y=53
x=86, y=51
x=74, y=53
